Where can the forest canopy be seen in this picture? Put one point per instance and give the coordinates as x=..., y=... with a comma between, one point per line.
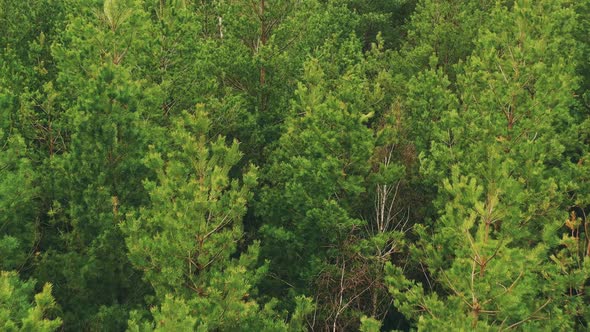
x=294, y=165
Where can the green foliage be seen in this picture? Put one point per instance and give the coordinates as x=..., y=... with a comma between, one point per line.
x=195, y=208
x=17, y=313
x=318, y=169
x=421, y=165
x=499, y=161
x=385, y=18
x=445, y=29
x=370, y=325
x=17, y=192
x=185, y=238
x=98, y=176
x=315, y=187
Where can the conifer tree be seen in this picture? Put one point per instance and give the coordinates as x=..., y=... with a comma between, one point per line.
x=433, y=150
x=18, y=313
x=503, y=249
x=185, y=239
x=256, y=51
x=107, y=120
x=446, y=29
x=24, y=69
x=17, y=209
x=316, y=188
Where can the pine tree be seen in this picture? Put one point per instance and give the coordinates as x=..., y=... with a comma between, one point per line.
x=24, y=70
x=315, y=189
x=17, y=313
x=446, y=29
x=17, y=209
x=185, y=239
x=502, y=249
x=106, y=121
